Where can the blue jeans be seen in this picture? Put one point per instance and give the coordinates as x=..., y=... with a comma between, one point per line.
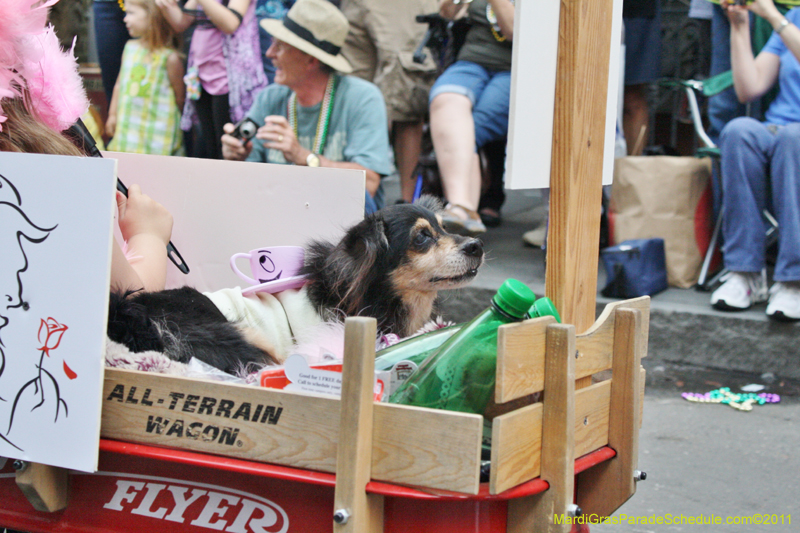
x=373, y=203
x=110, y=38
x=760, y=169
x=489, y=92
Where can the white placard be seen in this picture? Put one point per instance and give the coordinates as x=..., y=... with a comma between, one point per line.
x=56, y=216
x=221, y=208
x=533, y=84
x=616, y=90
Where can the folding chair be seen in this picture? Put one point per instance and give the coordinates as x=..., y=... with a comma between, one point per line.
x=710, y=87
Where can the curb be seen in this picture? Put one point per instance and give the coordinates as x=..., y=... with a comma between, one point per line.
x=727, y=343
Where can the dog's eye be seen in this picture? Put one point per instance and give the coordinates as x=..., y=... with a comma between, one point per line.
x=421, y=238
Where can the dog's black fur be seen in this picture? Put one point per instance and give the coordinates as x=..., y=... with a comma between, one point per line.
x=181, y=323
x=390, y=266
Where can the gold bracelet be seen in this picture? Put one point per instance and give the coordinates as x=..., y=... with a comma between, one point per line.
x=781, y=26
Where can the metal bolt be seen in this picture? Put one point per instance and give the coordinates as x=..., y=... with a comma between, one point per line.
x=573, y=510
x=638, y=475
x=19, y=465
x=577, y=354
x=341, y=516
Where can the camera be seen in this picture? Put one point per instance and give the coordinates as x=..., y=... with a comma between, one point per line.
x=245, y=129
x=742, y=2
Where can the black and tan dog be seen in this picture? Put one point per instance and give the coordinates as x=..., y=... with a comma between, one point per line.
x=390, y=266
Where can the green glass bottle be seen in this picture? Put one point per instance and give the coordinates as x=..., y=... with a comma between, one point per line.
x=416, y=349
x=460, y=376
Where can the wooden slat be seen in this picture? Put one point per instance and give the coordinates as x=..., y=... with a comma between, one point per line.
x=595, y=347
x=604, y=488
x=591, y=417
x=520, y=371
x=516, y=448
x=46, y=487
x=517, y=437
x=354, y=452
x=435, y=449
x=305, y=432
x=520, y=358
x=517, y=441
x=536, y=513
x=169, y=411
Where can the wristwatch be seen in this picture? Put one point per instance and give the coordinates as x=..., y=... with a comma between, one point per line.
x=312, y=160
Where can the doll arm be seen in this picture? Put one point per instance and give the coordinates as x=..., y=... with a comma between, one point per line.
x=147, y=227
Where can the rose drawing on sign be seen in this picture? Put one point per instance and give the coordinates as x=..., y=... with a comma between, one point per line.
x=50, y=334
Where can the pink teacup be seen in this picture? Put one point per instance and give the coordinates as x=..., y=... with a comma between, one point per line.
x=272, y=266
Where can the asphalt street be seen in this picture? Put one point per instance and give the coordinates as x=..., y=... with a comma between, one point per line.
x=705, y=460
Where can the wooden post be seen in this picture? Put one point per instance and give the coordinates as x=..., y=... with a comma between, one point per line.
x=355, y=511
x=45, y=486
x=546, y=512
x=577, y=165
x=605, y=487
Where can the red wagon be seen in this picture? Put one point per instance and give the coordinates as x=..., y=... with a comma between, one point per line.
x=261, y=460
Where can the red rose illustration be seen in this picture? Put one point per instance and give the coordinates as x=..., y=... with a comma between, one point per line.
x=53, y=333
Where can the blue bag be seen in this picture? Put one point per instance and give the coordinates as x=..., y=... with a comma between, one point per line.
x=634, y=268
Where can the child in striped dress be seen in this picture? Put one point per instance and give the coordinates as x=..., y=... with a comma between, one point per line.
x=144, y=115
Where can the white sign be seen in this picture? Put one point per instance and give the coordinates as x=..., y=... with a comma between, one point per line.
x=56, y=216
x=221, y=208
x=533, y=86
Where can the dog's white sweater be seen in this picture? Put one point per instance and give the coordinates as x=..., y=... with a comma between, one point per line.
x=284, y=317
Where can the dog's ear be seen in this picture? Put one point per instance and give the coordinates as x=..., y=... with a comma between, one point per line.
x=430, y=202
x=367, y=237
x=362, y=245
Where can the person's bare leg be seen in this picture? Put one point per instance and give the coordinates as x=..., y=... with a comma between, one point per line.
x=635, y=117
x=407, y=148
x=453, y=135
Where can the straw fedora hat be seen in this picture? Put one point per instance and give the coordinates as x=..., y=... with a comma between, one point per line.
x=316, y=27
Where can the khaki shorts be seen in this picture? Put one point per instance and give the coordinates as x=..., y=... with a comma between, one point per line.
x=380, y=47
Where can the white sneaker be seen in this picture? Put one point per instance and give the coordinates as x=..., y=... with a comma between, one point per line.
x=784, y=301
x=535, y=237
x=740, y=291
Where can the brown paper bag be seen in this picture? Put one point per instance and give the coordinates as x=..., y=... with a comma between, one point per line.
x=667, y=197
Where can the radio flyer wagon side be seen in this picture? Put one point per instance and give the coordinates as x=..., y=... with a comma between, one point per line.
x=181, y=454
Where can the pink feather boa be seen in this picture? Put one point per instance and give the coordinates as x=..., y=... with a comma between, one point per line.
x=31, y=58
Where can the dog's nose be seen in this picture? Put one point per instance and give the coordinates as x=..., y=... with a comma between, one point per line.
x=473, y=248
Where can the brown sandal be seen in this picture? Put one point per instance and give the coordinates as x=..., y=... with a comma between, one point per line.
x=471, y=225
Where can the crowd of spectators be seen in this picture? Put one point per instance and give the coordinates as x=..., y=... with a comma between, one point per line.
x=306, y=99
x=311, y=108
